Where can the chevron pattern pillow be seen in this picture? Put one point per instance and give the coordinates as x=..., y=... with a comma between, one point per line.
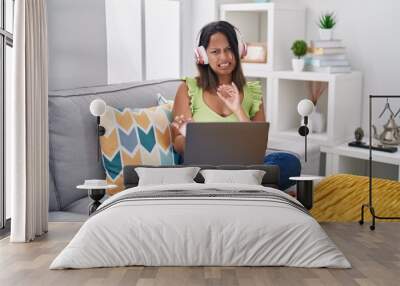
x=135, y=137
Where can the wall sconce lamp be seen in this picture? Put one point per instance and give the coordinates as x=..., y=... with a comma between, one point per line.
x=98, y=108
x=305, y=108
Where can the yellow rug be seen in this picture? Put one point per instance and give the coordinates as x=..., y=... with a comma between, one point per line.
x=339, y=198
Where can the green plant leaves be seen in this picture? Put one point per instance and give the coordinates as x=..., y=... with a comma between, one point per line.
x=327, y=20
x=299, y=48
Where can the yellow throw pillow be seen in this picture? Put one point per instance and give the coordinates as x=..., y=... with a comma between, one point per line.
x=135, y=137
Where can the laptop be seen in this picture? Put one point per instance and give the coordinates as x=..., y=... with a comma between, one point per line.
x=233, y=143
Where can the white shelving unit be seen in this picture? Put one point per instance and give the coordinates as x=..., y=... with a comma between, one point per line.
x=340, y=105
x=346, y=159
x=274, y=24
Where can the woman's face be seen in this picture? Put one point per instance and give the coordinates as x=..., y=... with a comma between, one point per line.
x=220, y=55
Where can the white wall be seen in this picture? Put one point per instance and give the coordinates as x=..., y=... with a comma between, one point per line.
x=187, y=38
x=124, y=46
x=370, y=31
x=99, y=42
x=162, y=36
x=77, y=43
x=201, y=13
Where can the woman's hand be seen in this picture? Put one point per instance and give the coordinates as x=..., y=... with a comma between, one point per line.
x=180, y=123
x=230, y=96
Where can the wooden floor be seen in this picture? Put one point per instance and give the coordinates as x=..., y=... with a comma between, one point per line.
x=375, y=257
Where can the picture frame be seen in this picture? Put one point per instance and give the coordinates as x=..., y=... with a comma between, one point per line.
x=256, y=53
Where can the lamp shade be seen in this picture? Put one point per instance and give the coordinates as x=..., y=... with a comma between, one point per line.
x=97, y=107
x=305, y=107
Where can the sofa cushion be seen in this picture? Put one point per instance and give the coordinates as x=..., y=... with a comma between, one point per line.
x=135, y=136
x=66, y=216
x=72, y=130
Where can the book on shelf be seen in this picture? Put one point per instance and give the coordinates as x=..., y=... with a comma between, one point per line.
x=329, y=69
x=323, y=62
x=327, y=51
x=326, y=44
x=328, y=57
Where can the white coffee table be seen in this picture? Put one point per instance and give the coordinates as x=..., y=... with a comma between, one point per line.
x=304, y=189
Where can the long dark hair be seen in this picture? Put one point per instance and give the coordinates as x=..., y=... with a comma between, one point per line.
x=207, y=78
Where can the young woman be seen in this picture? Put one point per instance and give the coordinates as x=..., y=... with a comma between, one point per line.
x=220, y=92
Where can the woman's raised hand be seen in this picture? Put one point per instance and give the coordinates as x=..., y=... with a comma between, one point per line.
x=180, y=123
x=230, y=96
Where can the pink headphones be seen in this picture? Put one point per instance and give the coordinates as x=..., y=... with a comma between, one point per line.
x=201, y=54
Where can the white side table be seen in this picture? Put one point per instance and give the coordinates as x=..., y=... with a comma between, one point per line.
x=304, y=187
x=353, y=160
x=96, y=193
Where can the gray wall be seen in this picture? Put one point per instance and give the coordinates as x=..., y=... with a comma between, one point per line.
x=77, y=43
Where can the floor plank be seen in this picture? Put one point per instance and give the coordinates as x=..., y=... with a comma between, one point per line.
x=374, y=255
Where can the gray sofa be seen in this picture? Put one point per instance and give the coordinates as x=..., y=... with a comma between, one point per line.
x=73, y=140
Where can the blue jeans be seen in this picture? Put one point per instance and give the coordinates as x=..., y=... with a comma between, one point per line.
x=289, y=166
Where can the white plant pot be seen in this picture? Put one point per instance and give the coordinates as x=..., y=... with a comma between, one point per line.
x=318, y=121
x=325, y=34
x=298, y=65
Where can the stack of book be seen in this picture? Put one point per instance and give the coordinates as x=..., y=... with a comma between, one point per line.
x=327, y=56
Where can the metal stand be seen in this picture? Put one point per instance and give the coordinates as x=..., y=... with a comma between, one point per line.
x=305, y=193
x=370, y=205
x=96, y=195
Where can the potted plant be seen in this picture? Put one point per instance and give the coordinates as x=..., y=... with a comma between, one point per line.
x=299, y=49
x=326, y=23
